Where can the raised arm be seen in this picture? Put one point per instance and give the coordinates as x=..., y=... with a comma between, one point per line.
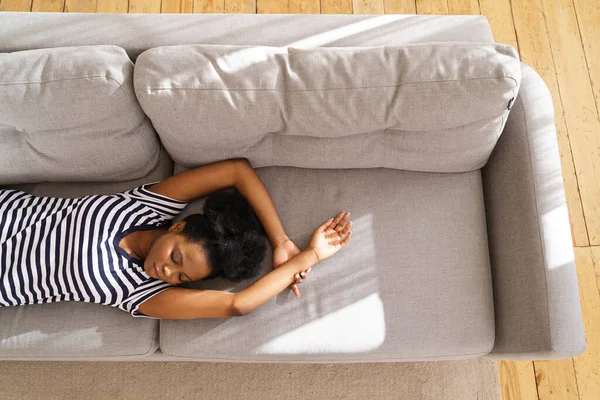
x=182, y=303
x=237, y=172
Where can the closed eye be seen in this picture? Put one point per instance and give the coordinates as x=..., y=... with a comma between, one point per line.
x=181, y=276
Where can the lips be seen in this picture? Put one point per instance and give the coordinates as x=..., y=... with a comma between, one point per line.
x=156, y=271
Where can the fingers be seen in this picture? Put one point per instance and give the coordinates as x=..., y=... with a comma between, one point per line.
x=295, y=290
x=336, y=223
x=346, y=229
x=299, y=278
x=337, y=219
x=325, y=225
x=347, y=238
x=342, y=221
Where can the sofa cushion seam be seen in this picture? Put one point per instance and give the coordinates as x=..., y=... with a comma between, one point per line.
x=105, y=76
x=353, y=359
x=322, y=89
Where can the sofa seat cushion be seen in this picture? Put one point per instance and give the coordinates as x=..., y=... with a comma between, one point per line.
x=436, y=107
x=413, y=283
x=69, y=114
x=72, y=330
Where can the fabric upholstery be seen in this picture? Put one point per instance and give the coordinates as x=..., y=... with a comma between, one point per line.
x=69, y=114
x=435, y=107
x=138, y=32
x=538, y=313
x=414, y=283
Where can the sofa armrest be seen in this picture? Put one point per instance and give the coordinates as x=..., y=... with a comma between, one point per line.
x=536, y=297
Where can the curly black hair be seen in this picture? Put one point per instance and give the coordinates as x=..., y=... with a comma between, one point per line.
x=233, y=239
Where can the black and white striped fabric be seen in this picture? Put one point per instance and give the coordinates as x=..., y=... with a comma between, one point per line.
x=59, y=249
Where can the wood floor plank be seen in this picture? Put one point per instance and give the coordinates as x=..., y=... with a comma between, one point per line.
x=48, y=5
x=305, y=7
x=112, y=6
x=587, y=365
x=15, y=5
x=272, y=6
x=463, y=7
x=209, y=6
x=556, y=380
x=588, y=17
x=500, y=16
x=336, y=7
x=240, y=6
x=579, y=106
x=144, y=6
x=517, y=379
x=400, y=6
x=177, y=6
x=432, y=7
x=81, y=6
x=595, y=250
x=535, y=51
x=368, y=7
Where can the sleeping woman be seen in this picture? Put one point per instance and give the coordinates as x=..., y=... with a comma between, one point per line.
x=123, y=250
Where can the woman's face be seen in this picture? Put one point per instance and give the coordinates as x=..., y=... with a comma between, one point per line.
x=174, y=260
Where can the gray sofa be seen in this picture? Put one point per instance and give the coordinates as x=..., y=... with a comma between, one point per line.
x=439, y=141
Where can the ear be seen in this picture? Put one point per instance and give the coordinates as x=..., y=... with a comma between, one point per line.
x=177, y=227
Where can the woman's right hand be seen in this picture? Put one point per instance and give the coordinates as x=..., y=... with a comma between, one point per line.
x=329, y=238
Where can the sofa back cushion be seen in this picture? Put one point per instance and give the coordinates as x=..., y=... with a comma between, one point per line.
x=69, y=114
x=436, y=107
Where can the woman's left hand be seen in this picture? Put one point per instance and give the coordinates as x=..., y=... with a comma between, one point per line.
x=284, y=252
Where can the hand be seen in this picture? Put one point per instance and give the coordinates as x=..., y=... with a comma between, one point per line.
x=328, y=238
x=285, y=252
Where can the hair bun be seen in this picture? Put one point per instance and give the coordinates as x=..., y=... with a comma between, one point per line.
x=233, y=238
x=229, y=215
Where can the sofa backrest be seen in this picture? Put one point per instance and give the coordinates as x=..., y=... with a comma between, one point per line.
x=436, y=107
x=139, y=32
x=70, y=115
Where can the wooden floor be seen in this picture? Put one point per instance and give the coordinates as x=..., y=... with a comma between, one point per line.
x=558, y=38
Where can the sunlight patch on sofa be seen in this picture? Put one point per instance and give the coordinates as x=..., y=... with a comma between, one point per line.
x=244, y=58
x=557, y=237
x=241, y=59
x=345, y=31
x=55, y=341
x=358, y=327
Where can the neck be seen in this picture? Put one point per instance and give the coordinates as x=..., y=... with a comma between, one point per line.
x=143, y=242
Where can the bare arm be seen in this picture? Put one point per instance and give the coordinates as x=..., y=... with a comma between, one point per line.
x=238, y=172
x=182, y=303
x=249, y=185
x=274, y=282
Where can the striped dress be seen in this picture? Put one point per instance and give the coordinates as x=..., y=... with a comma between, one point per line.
x=59, y=249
